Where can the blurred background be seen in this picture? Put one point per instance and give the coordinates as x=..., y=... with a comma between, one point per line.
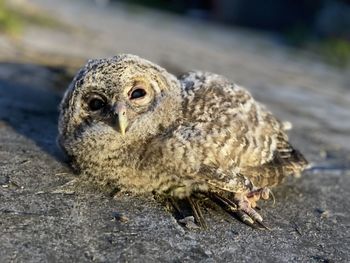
x=321, y=26
x=80, y=28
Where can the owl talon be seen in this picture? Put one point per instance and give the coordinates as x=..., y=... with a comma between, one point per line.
x=246, y=219
x=197, y=212
x=227, y=203
x=245, y=206
x=263, y=225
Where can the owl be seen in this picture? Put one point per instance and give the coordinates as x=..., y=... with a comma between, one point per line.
x=126, y=122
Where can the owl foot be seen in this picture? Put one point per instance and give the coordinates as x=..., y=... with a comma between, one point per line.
x=255, y=195
x=245, y=209
x=241, y=206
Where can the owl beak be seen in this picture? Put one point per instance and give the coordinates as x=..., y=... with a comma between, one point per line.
x=122, y=118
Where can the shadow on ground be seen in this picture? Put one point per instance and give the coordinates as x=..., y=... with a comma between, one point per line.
x=29, y=97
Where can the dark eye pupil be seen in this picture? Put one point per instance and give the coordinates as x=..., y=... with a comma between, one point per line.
x=96, y=104
x=138, y=93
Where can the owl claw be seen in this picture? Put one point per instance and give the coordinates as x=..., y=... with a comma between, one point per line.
x=229, y=206
x=245, y=205
x=197, y=212
x=245, y=218
x=264, y=226
x=242, y=206
x=246, y=212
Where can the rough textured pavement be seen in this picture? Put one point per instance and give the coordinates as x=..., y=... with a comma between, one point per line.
x=311, y=217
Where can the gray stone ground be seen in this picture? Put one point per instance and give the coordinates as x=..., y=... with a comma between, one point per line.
x=310, y=219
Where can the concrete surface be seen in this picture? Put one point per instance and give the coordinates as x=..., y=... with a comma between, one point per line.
x=311, y=217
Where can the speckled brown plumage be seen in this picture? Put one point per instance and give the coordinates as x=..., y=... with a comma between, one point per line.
x=127, y=122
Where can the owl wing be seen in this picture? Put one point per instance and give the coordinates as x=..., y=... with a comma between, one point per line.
x=225, y=129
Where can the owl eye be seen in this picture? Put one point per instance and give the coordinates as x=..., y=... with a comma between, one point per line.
x=137, y=93
x=96, y=104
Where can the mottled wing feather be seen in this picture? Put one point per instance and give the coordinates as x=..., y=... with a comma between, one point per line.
x=234, y=127
x=235, y=133
x=286, y=161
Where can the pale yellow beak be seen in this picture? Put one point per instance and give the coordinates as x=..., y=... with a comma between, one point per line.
x=122, y=118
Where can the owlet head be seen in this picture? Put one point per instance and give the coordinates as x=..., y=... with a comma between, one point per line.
x=124, y=96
